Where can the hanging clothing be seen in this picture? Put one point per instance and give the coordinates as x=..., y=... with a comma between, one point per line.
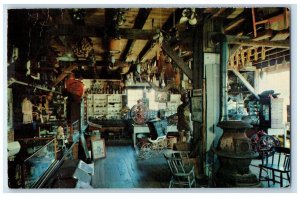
x=177, y=78
x=27, y=111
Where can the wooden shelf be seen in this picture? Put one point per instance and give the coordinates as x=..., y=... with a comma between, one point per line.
x=14, y=81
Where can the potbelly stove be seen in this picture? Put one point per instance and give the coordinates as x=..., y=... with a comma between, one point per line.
x=235, y=154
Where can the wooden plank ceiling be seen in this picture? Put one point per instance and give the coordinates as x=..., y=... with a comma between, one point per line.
x=88, y=33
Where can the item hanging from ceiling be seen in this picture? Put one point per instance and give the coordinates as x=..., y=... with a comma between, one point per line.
x=125, y=68
x=169, y=73
x=78, y=16
x=15, y=55
x=75, y=87
x=114, y=46
x=189, y=15
x=27, y=111
x=177, y=77
x=34, y=64
x=83, y=47
x=158, y=36
x=160, y=62
x=119, y=17
x=112, y=66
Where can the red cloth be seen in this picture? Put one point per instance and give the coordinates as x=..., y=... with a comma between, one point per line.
x=76, y=88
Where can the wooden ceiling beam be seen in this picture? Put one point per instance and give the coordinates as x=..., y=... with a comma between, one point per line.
x=172, y=20
x=93, y=31
x=170, y=23
x=64, y=73
x=149, y=45
x=218, y=13
x=236, y=12
x=234, y=24
x=249, y=42
x=138, y=24
x=177, y=60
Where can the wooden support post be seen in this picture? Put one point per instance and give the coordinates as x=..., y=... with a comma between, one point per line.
x=199, y=129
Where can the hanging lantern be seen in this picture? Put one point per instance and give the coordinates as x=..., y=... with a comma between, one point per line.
x=114, y=46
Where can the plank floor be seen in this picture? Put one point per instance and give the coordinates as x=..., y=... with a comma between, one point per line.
x=123, y=169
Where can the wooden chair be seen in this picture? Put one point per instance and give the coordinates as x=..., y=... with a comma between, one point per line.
x=276, y=165
x=183, y=173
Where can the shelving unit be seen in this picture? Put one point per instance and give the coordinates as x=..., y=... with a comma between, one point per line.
x=100, y=105
x=114, y=106
x=253, y=110
x=105, y=106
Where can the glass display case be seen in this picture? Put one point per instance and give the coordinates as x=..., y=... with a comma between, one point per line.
x=35, y=166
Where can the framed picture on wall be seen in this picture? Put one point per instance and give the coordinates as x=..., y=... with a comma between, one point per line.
x=98, y=149
x=162, y=96
x=197, y=108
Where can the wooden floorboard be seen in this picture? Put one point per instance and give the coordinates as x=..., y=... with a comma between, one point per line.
x=123, y=169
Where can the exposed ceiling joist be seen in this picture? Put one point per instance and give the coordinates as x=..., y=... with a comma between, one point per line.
x=235, y=13
x=218, y=13
x=171, y=22
x=93, y=31
x=138, y=24
x=249, y=42
x=65, y=73
x=149, y=45
x=234, y=24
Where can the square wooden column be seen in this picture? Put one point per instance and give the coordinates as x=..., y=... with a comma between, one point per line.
x=199, y=140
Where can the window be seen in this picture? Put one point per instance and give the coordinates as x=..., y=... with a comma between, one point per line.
x=152, y=104
x=135, y=94
x=279, y=81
